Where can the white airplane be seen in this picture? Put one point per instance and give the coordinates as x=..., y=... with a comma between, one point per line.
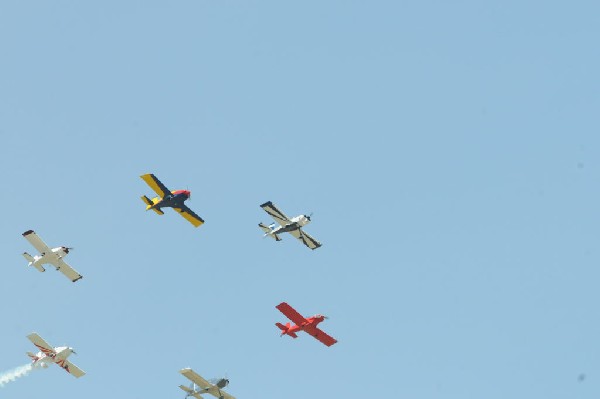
x=201, y=386
x=287, y=225
x=48, y=355
x=53, y=256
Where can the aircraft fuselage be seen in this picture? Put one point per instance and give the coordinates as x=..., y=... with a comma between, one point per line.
x=310, y=322
x=174, y=200
x=297, y=222
x=286, y=229
x=62, y=353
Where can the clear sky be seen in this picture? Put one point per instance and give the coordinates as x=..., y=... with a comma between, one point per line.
x=448, y=150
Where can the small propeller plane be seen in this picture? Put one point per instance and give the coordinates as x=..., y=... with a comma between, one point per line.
x=53, y=256
x=48, y=354
x=308, y=325
x=287, y=225
x=201, y=386
x=169, y=199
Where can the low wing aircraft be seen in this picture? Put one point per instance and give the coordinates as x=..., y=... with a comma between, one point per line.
x=48, y=355
x=201, y=386
x=287, y=225
x=308, y=325
x=169, y=199
x=53, y=256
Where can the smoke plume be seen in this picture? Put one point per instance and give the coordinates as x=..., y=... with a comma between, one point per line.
x=11, y=375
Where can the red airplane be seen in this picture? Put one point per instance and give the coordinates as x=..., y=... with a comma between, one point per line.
x=307, y=325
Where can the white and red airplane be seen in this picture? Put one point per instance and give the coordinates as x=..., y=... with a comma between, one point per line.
x=48, y=355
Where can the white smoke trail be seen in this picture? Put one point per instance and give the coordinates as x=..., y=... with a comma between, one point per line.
x=15, y=373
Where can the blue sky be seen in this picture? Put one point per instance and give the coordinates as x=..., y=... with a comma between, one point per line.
x=448, y=151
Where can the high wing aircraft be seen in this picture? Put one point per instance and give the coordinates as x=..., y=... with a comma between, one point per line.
x=201, y=386
x=287, y=225
x=308, y=325
x=53, y=256
x=169, y=199
x=48, y=355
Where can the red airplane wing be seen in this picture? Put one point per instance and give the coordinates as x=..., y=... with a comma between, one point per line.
x=291, y=314
x=320, y=335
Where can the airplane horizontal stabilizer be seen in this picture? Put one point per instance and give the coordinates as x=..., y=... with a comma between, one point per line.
x=187, y=389
x=28, y=257
x=147, y=200
x=190, y=392
x=268, y=230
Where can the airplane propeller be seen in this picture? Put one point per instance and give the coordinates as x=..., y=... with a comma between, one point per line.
x=309, y=216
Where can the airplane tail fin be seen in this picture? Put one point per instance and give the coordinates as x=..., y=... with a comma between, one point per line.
x=149, y=205
x=190, y=392
x=32, y=356
x=147, y=201
x=269, y=231
x=284, y=330
x=30, y=259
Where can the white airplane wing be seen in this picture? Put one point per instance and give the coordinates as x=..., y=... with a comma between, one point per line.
x=65, y=269
x=306, y=238
x=196, y=378
x=275, y=213
x=36, y=241
x=38, y=341
x=71, y=368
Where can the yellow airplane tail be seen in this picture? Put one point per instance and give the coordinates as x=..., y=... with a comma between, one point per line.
x=148, y=201
x=149, y=204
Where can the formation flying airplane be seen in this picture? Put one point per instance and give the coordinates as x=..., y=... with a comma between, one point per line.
x=48, y=354
x=201, y=386
x=287, y=225
x=169, y=199
x=308, y=325
x=53, y=256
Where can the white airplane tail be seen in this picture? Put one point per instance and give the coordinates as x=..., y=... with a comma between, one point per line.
x=191, y=391
x=269, y=231
x=31, y=261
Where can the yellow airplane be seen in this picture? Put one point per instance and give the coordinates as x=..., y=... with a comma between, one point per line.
x=169, y=199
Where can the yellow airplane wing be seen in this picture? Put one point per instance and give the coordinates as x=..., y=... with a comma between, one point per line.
x=190, y=216
x=156, y=185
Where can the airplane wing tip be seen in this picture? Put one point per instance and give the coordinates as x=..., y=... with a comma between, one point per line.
x=28, y=232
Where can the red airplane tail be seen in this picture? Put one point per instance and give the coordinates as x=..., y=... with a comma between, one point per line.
x=285, y=329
